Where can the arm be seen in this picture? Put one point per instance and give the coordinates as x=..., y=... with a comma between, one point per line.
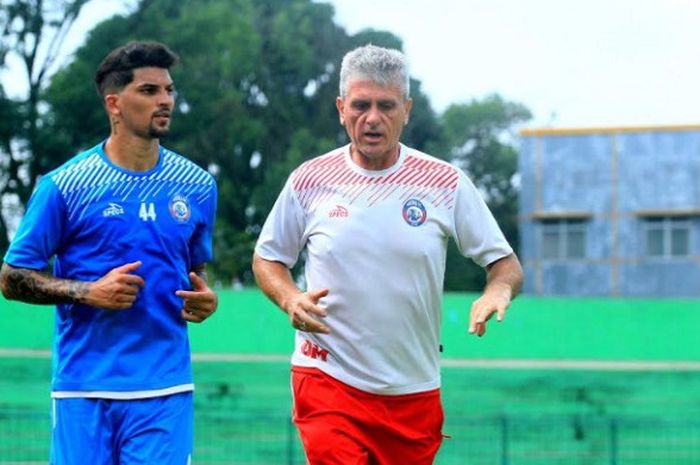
x=117, y=290
x=200, y=302
x=503, y=282
x=276, y=282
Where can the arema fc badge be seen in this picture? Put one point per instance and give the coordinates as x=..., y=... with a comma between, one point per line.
x=180, y=209
x=414, y=212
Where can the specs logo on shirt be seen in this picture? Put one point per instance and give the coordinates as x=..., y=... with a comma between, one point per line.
x=414, y=212
x=339, y=212
x=114, y=209
x=180, y=208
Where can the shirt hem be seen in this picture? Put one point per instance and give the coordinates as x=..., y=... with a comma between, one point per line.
x=366, y=387
x=123, y=395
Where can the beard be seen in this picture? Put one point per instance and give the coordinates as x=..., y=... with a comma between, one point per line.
x=158, y=132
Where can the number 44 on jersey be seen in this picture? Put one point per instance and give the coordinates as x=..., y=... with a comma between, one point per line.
x=147, y=212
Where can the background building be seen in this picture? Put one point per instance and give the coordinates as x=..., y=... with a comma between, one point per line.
x=611, y=211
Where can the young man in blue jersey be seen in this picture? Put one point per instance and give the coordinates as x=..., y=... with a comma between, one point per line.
x=128, y=224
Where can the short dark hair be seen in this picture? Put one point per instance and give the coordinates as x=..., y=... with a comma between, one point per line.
x=117, y=69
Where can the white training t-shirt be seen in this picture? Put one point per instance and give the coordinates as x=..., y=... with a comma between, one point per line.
x=378, y=241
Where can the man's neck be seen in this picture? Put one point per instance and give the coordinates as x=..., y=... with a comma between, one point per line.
x=132, y=153
x=375, y=163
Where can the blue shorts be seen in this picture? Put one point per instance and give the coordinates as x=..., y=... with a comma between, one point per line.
x=153, y=431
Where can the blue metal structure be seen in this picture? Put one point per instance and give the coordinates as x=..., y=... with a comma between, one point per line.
x=611, y=211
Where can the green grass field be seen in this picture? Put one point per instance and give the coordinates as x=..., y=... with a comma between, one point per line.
x=498, y=411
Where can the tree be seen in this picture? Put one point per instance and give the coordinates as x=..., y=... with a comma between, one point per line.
x=257, y=87
x=34, y=30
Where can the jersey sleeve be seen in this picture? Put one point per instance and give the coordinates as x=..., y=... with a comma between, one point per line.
x=41, y=230
x=476, y=232
x=282, y=236
x=201, y=243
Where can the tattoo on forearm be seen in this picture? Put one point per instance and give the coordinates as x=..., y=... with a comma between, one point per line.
x=39, y=288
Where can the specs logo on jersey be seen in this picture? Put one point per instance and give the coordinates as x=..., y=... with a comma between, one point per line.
x=339, y=212
x=179, y=208
x=114, y=209
x=414, y=212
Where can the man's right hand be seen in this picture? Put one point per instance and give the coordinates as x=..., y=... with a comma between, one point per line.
x=117, y=290
x=303, y=309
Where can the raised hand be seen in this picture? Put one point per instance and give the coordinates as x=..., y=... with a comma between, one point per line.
x=117, y=290
x=198, y=303
x=301, y=309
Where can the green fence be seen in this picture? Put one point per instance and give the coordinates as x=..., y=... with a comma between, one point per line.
x=493, y=416
x=235, y=439
x=565, y=382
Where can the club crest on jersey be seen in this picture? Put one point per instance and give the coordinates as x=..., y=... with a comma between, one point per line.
x=414, y=212
x=180, y=208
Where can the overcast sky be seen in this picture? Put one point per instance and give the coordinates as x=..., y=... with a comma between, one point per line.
x=573, y=63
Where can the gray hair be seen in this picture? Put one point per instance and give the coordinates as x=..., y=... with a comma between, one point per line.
x=385, y=66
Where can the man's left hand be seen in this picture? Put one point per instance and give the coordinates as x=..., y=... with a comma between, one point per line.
x=484, y=308
x=200, y=302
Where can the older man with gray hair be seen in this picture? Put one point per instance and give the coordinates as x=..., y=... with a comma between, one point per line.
x=374, y=218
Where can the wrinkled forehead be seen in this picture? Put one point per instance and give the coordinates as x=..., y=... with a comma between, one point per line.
x=368, y=88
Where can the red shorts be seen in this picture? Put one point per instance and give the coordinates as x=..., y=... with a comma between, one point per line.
x=342, y=425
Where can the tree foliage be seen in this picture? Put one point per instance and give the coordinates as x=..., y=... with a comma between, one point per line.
x=34, y=31
x=257, y=85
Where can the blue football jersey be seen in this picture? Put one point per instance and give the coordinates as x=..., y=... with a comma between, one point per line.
x=91, y=216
